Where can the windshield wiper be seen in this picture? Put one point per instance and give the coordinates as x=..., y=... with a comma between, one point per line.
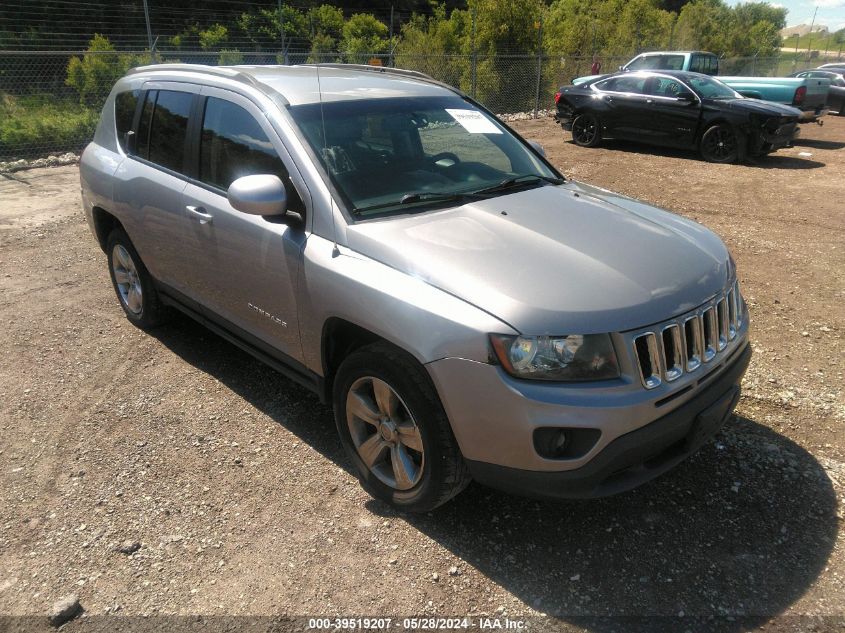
x=524, y=179
x=421, y=196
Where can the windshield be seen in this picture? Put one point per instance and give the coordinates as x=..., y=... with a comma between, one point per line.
x=406, y=154
x=709, y=88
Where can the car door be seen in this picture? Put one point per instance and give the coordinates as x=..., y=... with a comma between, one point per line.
x=149, y=184
x=245, y=267
x=624, y=105
x=672, y=121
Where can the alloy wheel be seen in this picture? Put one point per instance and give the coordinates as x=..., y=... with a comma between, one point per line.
x=127, y=279
x=720, y=144
x=384, y=433
x=584, y=129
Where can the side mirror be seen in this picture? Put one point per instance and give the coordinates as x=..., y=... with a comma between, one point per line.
x=261, y=194
x=686, y=96
x=538, y=148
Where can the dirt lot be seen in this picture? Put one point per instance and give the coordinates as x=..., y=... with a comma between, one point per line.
x=231, y=479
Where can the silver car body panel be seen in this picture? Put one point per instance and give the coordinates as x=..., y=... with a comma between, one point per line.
x=570, y=259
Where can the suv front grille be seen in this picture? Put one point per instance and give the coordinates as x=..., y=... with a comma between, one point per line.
x=682, y=345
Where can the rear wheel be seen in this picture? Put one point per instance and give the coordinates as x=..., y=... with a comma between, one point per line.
x=586, y=130
x=132, y=283
x=394, y=430
x=721, y=143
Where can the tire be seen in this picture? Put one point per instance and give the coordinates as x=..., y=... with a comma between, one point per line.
x=410, y=458
x=132, y=283
x=722, y=143
x=586, y=130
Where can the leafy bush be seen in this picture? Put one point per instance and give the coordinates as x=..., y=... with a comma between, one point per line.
x=31, y=126
x=94, y=74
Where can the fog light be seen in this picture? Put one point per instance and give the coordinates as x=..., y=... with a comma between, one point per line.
x=551, y=443
x=557, y=443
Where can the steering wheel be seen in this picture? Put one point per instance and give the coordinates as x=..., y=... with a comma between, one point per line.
x=437, y=159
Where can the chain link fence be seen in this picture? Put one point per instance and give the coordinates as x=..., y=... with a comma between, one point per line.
x=50, y=104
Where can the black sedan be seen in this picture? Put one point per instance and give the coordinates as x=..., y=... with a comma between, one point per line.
x=675, y=109
x=836, y=92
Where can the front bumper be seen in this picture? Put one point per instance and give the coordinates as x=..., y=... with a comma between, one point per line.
x=808, y=116
x=495, y=418
x=636, y=457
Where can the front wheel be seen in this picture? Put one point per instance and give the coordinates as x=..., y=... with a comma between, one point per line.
x=394, y=430
x=586, y=130
x=722, y=143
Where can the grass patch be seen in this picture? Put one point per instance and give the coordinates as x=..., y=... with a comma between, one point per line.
x=36, y=125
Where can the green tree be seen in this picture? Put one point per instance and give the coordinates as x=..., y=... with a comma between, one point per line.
x=363, y=36
x=437, y=45
x=214, y=36
x=94, y=74
x=265, y=27
x=706, y=25
x=326, y=24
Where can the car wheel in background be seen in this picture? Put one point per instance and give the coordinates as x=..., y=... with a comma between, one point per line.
x=395, y=431
x=721, y=143
x=586, y=130
x=132, y=283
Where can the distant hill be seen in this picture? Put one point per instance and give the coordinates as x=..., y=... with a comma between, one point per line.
x=802, y=29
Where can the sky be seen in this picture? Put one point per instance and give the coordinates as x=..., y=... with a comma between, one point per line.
x=831, y=12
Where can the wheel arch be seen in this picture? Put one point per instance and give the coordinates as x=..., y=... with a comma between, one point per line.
x=339, y=339
x=104, y=224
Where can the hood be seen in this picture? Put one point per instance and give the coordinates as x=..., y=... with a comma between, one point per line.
x=765, y=108
x=569, y=259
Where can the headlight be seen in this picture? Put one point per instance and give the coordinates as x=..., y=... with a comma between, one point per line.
x=562, y=358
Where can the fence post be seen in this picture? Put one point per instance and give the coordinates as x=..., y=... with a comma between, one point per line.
x=539, y=66
x=390, y=56
x=149, y=29
x=474, y=54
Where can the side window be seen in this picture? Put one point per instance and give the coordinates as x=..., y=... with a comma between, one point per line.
x=696, y=65
x=637, y=64
x=234, y=145
x=634, y=85
x=125, y=104
x=164, y=127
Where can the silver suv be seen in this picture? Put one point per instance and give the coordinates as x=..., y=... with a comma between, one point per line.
x=384, y=240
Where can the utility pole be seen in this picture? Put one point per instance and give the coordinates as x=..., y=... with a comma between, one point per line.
x=539, y=65
x=474, y=55
x=810, y=34
x=149, y=29
x=282, y=33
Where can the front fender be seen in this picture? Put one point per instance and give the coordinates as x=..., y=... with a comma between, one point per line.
x=428, y=323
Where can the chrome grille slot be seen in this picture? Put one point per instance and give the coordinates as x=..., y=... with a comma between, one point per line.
x=673, y=355
x=710, y=333
x=694, y=342
x=738, y=303
x=722, y=316
x=645, y=348
x=679, y=346
x=732, y=310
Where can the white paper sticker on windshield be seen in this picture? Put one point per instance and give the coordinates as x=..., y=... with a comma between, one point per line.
x=474, y=122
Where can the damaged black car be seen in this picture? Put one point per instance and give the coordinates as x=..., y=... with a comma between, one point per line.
x=675, y=109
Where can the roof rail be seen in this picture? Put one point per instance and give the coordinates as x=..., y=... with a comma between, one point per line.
x=229, y=73
x=378, y=69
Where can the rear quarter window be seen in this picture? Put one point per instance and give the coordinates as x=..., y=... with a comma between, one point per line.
x=125, y=104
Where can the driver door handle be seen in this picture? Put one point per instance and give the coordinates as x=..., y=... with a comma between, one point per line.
x=199, y=213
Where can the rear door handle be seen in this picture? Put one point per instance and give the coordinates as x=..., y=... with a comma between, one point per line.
x=199, y=213
x=650, y=101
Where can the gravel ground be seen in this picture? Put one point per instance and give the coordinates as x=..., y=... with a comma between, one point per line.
x=172, y=474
